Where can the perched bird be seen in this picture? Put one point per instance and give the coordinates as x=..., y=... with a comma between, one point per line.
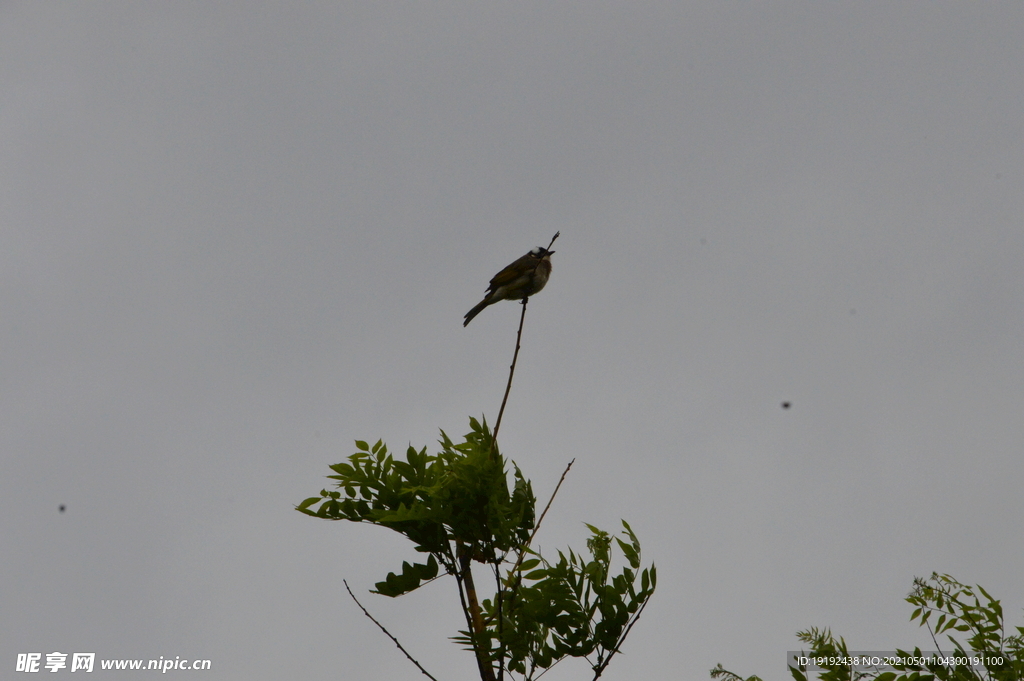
x=518, y=281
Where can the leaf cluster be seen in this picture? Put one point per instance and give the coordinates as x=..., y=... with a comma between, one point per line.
x=569, y=608
x=461, y=506
x=959, y=609
x=823, y=644
x=455, y=502
x=956, y=608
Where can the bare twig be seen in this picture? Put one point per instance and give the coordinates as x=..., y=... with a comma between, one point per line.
x=511, y=373
x=536, y=527
x=552, y=243
x=381, y=626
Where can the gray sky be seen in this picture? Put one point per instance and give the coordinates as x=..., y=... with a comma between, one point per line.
x=238, y=236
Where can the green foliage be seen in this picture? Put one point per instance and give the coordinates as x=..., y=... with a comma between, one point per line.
x=459, y=506
x=719, y=672
x=1002, y=656
x=957, y=608
x=459, y=495
x=569, y=608
x=823, y=644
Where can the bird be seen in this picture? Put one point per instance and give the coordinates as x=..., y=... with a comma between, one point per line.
x=518, y=281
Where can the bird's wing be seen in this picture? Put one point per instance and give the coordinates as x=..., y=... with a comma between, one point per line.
x=513, y=271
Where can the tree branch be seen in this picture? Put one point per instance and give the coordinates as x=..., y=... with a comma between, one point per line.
x=511, y=373
x=601, y=667
x=404, y=651
x=536, y=527
x=477, y=628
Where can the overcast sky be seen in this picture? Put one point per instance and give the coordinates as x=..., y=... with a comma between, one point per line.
x=237, y=236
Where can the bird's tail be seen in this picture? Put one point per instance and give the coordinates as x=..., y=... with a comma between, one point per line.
x=476, y=310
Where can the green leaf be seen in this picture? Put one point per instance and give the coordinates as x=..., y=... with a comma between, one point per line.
x=362, y=446
x=797, y=674
x=411, y=578
x=628, y=550
x=306, y=503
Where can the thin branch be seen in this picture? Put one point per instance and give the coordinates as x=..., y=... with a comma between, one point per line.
x=501, y=622
x=522, y=552
x=622, y=639
x=553, y=664
x=381, y=626
x=511, y=373
x=552, y=242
